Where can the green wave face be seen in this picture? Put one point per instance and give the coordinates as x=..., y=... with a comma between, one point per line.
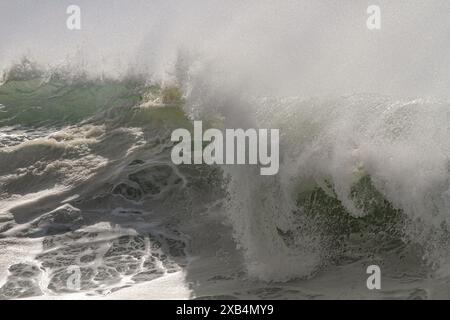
x=39, y=102
x=381, y=226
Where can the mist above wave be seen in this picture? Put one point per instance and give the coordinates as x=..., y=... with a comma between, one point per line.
x=315, y=48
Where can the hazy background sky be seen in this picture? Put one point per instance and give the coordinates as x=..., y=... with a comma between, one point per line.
x=291, y=47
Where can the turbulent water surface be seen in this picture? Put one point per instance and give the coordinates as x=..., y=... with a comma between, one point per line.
x=86, y=180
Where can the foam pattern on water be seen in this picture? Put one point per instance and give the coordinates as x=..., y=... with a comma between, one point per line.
x=106, y=263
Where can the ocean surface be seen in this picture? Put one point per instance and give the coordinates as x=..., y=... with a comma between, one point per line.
x=86, y=180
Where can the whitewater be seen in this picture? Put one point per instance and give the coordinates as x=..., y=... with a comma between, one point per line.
x=87, y=180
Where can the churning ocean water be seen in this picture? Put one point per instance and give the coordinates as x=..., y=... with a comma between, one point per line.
x=87, y=180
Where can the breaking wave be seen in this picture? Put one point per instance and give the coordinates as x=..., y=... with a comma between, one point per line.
x=86, y=177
